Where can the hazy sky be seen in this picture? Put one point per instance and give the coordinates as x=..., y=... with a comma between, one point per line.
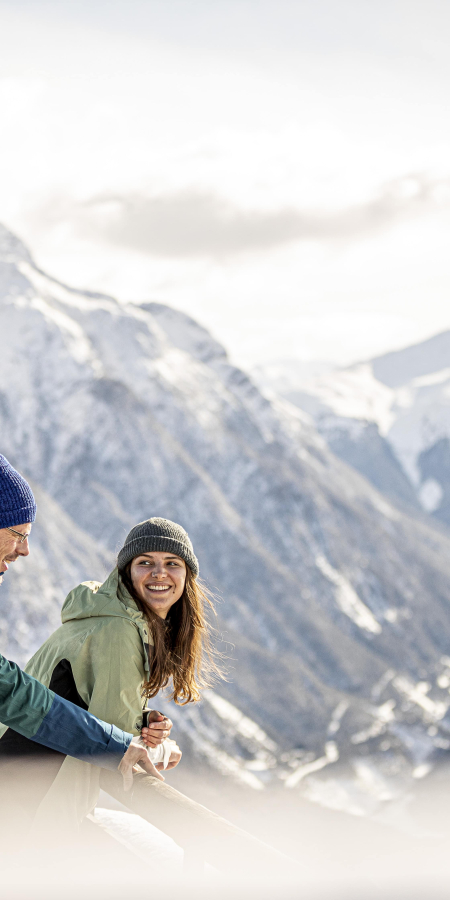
x=279, y=170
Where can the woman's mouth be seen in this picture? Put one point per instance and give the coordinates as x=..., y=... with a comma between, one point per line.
x=159, y=588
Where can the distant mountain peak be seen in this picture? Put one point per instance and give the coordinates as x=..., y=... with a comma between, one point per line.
x=185, y=333
x=12, y=249
x=400, y=367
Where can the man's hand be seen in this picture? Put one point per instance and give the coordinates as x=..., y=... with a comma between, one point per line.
x=136, y=754
x=174, y=759
x=158, y=730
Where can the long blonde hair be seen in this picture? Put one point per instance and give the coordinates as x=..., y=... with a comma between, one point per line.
x=182, y=645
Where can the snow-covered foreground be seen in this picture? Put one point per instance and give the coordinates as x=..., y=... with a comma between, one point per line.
x=141, y=838
x=339, y=856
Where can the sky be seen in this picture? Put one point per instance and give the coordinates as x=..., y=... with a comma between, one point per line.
x=278, y=169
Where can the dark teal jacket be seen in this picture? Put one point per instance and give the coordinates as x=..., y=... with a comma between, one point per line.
x=39, y=714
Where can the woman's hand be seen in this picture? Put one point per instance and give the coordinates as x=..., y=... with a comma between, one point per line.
x=174, y=759
x=136, y=754
x=158, y=730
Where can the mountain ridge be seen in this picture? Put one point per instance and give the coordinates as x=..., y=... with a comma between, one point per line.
x=401, y=366
x=389, y=417
x=118, y=412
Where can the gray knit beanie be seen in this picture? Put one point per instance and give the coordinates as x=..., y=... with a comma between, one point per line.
x=158, y=534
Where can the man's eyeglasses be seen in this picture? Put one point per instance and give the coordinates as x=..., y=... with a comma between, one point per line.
x=20, y=538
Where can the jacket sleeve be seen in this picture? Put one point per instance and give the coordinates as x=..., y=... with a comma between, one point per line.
x=38, y=714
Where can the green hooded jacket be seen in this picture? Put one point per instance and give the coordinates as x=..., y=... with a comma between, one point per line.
x=105, y=640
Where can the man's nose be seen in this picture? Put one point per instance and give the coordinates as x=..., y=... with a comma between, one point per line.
x=23, y=549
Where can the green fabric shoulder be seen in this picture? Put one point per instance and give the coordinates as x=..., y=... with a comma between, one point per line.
x=105, y=638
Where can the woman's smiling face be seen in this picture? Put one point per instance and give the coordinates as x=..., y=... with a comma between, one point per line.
x=158, y=579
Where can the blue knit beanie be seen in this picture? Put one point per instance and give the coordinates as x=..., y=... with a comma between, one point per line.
x=17, y=504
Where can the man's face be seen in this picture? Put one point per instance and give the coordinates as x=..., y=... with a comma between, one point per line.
x=11, y=547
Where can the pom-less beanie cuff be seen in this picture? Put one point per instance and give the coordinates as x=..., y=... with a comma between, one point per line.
x=158, y=535
x=17, y=504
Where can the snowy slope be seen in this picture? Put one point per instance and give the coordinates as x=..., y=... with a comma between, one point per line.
x=389, y=418
x=30, y=596
x=119, y=412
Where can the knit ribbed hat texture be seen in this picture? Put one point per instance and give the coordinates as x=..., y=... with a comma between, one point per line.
x=158, y=534
x=17, y=504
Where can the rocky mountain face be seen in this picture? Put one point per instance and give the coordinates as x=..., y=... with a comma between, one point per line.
x=334, y=608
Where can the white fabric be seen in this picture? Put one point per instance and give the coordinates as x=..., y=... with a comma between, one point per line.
x=161, y=753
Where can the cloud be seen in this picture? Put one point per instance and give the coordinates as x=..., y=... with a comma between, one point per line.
x=196, y=224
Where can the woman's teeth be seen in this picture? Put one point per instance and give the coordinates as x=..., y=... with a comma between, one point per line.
x=158, y=587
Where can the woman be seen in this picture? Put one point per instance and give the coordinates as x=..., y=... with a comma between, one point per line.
x=120, y=643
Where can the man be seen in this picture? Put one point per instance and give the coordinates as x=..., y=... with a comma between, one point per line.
x=26, y=705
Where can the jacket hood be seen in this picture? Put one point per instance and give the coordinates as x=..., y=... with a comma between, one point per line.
x=92, y=599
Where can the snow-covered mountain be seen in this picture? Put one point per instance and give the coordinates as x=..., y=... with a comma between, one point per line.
x=388, y=417
x=335, y=603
